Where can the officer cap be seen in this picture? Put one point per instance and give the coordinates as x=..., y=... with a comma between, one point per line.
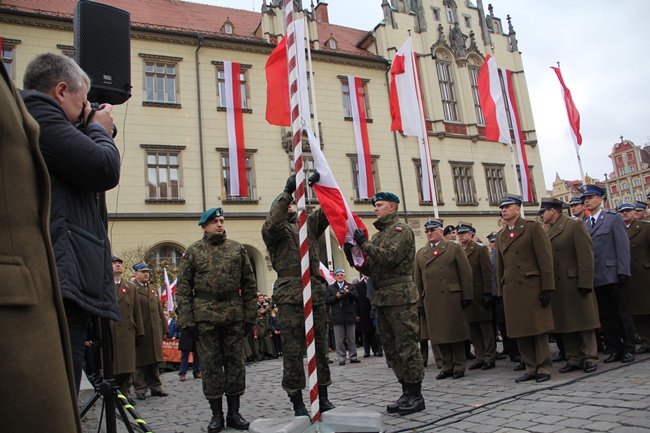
x=116, y=259
x=339, y=271
x=384, y=196
x=511, y=199
x=463, y=227
x=624, y=206
x=592, y=190
x=141, y=267
x=210, y=214
x=576, y=200
x=492, y=237
x=449, y=229
x=550, y=203
x=640, y=205
x=433, y=223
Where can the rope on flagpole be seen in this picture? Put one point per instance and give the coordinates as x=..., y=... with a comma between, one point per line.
x=296, y=130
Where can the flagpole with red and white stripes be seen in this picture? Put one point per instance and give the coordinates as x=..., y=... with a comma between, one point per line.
x=296, y=131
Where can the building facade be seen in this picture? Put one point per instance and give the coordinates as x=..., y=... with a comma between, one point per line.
x=630, y=179
x=173, y=130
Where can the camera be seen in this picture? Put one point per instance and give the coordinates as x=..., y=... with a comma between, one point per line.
x=81, y=125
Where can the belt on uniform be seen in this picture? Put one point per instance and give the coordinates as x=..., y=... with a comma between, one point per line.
x=391, y=281
x=219, y=297
x=291, y=272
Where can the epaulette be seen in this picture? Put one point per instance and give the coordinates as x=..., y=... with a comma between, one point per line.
x=574, y=218
x=610, y=212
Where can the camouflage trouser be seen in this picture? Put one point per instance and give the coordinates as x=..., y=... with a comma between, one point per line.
x=221, y=350
x=292, y=331
x=399, y=327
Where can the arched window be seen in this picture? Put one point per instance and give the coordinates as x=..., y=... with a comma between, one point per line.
x=163, y=256
x=446, y=84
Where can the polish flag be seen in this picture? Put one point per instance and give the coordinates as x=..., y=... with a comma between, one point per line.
x=492, y=103
x=407, y=109
x=327, y=274
x=526, y=190
x=236, y=152
x=571, y=110
x=364, y=161
x=170, y=291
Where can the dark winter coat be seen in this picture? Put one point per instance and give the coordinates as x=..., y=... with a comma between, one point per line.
x=344, y=309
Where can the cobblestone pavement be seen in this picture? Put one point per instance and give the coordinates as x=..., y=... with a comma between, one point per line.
x=616, y=398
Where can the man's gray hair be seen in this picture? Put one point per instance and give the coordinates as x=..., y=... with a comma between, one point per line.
x=47, y=70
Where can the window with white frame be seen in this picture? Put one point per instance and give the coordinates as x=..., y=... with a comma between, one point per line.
x=163, y=174
x=226, y=165
x=473, y=77
x=447, y=90
x=243, y=86
x=354, y=162
x=436, y=181
x=161, y=79
x=347, y=104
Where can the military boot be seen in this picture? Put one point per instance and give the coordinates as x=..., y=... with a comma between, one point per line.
x=299, y=408
x=323, y=403
x=234, y=418
x=393, y=407
x=216, y=423
x=415, y=402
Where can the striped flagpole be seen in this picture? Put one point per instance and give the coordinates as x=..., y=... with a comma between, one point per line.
x=296, y=130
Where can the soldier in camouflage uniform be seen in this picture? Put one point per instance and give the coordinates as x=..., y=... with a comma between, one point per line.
x=280, y=234
x=216, y=306
x=391, y=253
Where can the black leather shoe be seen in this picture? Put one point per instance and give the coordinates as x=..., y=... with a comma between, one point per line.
x=470, y=355
x=355, y=361
x=488, y=366
x=366, y=355
x=589, y=367
x=627, y=357
x=525, y=378
x=160, y=393
x=568, y=368
x=444, y=374
x=458, y=374
x=561, y=356
x=341, y=362
x=642, y=350
x=520, y=367
x=614, y=357
x=476, y=366
x=329, y=361
x=501, y=356
x=141, y=397
x=543, y=378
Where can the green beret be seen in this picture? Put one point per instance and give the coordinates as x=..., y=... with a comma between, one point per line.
x=210, y=214
x=384, y=196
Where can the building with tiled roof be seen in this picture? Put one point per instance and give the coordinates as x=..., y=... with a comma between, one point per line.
x=173, y=129
x=630, y=179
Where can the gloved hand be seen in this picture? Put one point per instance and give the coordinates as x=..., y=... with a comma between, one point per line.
x=487, y=300
x=347, y=249
x=314, y=178
x=421, y=312
x=359, y=237
x=584, y=291
x=290, y=186
x=465, y=303
x=545, y=298
x=192, y=332
x=622, y=279
x=138, y=340
x=248, y=327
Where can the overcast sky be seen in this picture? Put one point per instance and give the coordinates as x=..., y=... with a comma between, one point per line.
x=600, y=45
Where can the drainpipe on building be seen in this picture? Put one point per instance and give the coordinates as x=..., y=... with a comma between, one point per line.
x=198, y=98
x=399, y=163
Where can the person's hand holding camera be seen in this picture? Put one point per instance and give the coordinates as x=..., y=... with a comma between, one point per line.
x=103, y=116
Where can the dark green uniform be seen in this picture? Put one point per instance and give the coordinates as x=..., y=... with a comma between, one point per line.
x=391, y=253
x=212, y=273
x=280, y=234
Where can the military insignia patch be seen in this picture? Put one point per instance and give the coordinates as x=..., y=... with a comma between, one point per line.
x=123, y=289
x=435, y=253
x=398, y=229
x=512, y=235
x=152, y=291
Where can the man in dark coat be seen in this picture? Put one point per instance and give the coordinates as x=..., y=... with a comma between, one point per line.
x=443, y=277
x=525, y=278
x=342, y=298
x=149, y=353
x=39, y=390
x=480, y=312
x=82, y=166
x=611, y=273
x=366, y=321
x=638, y=288
x=575, y=310
x=128, y=333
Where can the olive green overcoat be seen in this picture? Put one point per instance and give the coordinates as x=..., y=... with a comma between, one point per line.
x=155, y=325
x=638, y=287
x=479, y=260
x=123, y=333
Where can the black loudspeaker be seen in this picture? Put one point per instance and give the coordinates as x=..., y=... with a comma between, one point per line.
x=102, y=41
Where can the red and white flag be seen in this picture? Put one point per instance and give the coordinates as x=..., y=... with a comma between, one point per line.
x=364, y=161
x=327, y=274
x=277, y=87
x=407, y=109
x=492, y=102
x=524, y=172
x=571, y=111
x=170, y=291
x=236, y=152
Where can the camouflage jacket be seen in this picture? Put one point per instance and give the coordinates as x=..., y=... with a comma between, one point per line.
x=280, y=234
x=391, y=253
x=216, y=283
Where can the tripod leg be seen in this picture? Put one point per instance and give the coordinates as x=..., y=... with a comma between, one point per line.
x=121, y=402
x=90, y=403
x=136, y=416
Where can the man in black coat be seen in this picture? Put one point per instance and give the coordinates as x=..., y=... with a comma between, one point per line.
x=341, y=298
x=366, y=321
x=82, y=166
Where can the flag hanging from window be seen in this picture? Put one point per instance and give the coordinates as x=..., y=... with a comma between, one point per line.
x=407, y=109
x=170, y=291
x=492, y=102
x=238, y=187
x=364, y=160
x=571, y=110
